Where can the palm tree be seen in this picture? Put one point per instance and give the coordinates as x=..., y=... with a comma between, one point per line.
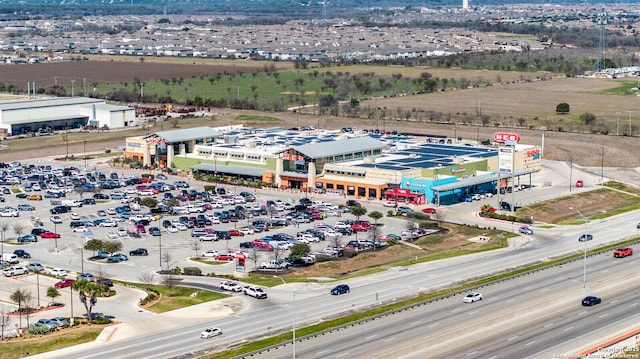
x=88, y=293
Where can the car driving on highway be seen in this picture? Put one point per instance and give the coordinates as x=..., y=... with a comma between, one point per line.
x=210, y=332
x=472, y=297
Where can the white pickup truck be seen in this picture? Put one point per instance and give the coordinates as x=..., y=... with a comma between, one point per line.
x=275, y=264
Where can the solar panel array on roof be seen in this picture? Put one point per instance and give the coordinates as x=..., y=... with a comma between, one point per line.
x=428, y=155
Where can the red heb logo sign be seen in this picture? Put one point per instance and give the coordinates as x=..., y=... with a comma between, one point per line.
x=502, y=137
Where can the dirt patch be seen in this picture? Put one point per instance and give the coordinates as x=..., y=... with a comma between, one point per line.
x=453, y=238
x=599, y=202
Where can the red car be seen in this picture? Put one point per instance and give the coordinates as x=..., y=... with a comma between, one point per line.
x=622, y=252
x=235, y=233
x=67, y=282
x=360, y=227
x=49, y=235
x=579, y=183
x=145, y=180
x=224, y=257
x=429, y=210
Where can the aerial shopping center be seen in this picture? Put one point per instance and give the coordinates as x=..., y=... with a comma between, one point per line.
x=405, y=168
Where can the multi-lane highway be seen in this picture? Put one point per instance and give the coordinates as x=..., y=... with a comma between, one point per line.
x=536, y=316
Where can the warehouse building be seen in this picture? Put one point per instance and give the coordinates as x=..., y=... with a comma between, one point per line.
x=25, y=116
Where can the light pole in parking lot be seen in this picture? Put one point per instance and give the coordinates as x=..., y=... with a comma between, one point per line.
x=55, y=230
x=160, y=248
x=293, y=325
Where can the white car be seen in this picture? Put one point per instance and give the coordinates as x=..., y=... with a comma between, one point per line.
x=255, y=292
x=56, y=219
x=121, y=231
x=58, y=272
x=111, y=211
x=74, y=216
x=472, y=297
x=172, y=229
x=9, y=213
x=231, y=286
x=390, y=204
x=109, y=224
x=210, y=253
x=80, y=229
x=247, y=231
x=211, y=237
x=210, y=332
x=179, y=226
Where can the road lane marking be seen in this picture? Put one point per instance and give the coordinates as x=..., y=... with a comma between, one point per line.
x=341, y=355
x=434, y=325
x=371, y=336
x=581, y=313
x=456, y=310
x=510, y=300
x=548, y=325
x=613, y=301
x=390, y=339
x=512, y=338
x=474, y=312
x=544, y=289
x=494, y=298
x=322, y=352
x=568, y=329
x=603, y=315
x=416, y=322
x=530, y=343
x=472, y=353
x=633, y=304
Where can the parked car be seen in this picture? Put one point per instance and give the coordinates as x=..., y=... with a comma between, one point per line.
x=139, y=252
x=86, y=276
x=591, y=301
x=472, y=297
x=35, y=267
x=64, y=283
x=391, y=204
x=340, y=289
x=14, y=271
x=404, y=209
x=58, y=272
x=429, y=210
x=154, y=231
x=210, y=332
x=60, y=322
x=55, y=219
x=21, y=253
x=579, y=183
x=45, y=323
x=104, y=281
x=49, y=235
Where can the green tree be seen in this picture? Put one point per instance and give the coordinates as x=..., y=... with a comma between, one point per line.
x=299, y=250
x=375, y=215
x=88, y=293
x=588, y=118
x=53, y=293
x=93, y=245
x=112, y=246
x=21, y=296
x=562, y=108
x=149, y=202
x=358, y=211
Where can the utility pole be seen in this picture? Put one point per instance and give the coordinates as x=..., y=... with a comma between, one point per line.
x=617, y=124
x=630, y=112
x=72, y=87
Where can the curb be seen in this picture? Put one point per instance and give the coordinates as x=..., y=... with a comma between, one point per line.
x=607, y=344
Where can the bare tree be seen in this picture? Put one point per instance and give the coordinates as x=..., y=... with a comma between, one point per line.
x=374, y=232
x=101, y=272
x=146, y=278
x=440, y=216
x=5, y=322
x=167, y=259
x=336, y=240
x=18, y=228
x=195, y=245
x=278, y=252
x=410, y=225
x=253, y=256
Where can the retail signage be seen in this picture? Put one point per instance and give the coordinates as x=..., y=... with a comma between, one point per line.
x=156, y=141
x=505, y=159
x=502, y=137
x=290, y=157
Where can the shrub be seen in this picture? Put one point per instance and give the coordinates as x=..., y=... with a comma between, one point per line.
x=389, y=213
x=418, y=215
x=147, y=175
x=39, y=330
x=101, y=320
x=150, y=297
x=192, y=271
x=323, y=258
x=349, y=253
x=209, y=187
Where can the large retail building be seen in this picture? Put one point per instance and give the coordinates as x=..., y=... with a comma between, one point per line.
x=398, y=167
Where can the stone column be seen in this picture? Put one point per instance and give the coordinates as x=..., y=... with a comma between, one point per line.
x=169, y=155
